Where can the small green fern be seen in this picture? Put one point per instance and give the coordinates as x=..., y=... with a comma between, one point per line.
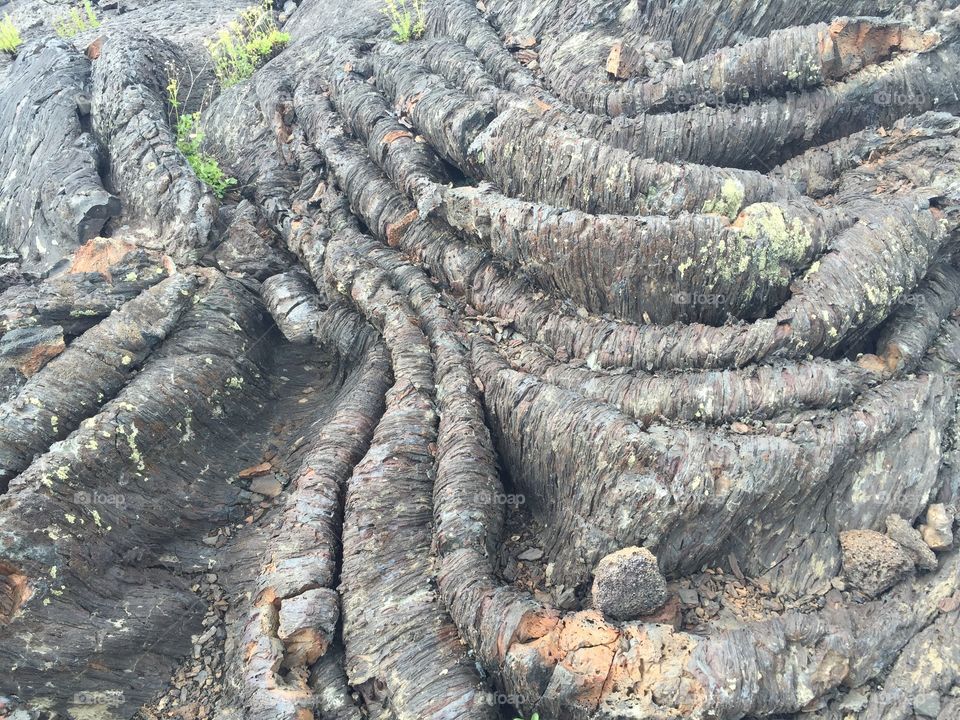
x=9, y=36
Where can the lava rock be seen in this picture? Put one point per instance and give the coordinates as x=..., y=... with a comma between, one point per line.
x=669, y=614
x=248, y=246
x=530, y=554
x=565, y=598
x=937, y=533
x=910, y=538
x=854, y=701
x=628, y=584
x=689, y=597
x=29, y=349
x=927, y=704
x=873, y=562
x=266, y=485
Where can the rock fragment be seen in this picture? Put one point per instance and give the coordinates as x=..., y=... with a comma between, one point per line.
x=29, y=349
x=873, y=562
x=627, y=584
x=927, y=705
x=266, y=485
x=623, y=61
x=904, y=533
x=937, y=533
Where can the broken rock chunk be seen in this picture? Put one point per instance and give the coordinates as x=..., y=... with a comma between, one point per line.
x=266, y=485
x=927, y=705
x=29, y=349
x=873, y=562
x=910, y=538
x=628, y=584
x=669, y=614
x=937, y=533
x=623, y=61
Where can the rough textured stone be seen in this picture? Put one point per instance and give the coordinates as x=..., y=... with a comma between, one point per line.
x=307, y=623
x=266, y=485
x=669, y=614
x=48, y=208
x=927, y=704
x=247, y=245
x=29, y=349
x=911, y=539
x=627, y=583
x=937, y=533
x=495, y=289
x=165, y=206
x=872, y=561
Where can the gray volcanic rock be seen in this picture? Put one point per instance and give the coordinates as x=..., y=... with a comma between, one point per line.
x=628, y=584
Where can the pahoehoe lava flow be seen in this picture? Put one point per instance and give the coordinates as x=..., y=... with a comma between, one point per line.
x=479, y=359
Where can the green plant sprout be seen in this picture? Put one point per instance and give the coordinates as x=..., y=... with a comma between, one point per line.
x=407, y=23
x=78, y=19
x=245, y=43
x=189, y=140
x=9, y=36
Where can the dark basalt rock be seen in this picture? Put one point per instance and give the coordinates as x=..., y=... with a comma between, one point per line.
x=628, y=584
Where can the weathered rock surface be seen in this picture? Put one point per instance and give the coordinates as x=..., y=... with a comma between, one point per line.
x=910, y=538
x=628, y=584
x=872, y=561
x=655, y=298
x=52, y=198
x=29, y=349
x=165, y=206
x=937, y=532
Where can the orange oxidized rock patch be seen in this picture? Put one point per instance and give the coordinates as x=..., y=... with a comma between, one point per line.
x=98, y=255
x=14, y=591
